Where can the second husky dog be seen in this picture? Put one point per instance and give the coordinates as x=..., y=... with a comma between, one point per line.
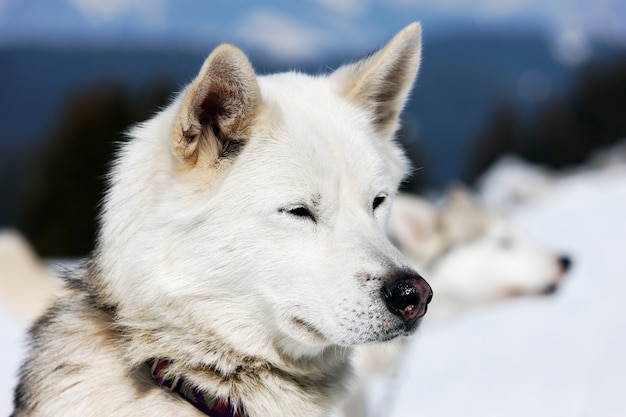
x=242, y=250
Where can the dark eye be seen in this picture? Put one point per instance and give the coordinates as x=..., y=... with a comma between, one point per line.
x=380, y=199
x=300, y=211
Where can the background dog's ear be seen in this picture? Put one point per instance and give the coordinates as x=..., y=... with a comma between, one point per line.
x=219, y=108
x=382, y=82
x=413, y=226
x=462, y=220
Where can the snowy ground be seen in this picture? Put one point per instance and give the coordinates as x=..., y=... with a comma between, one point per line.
x=11, y=350
x=563, y=355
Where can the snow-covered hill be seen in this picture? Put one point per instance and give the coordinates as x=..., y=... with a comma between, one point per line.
x=563, y=355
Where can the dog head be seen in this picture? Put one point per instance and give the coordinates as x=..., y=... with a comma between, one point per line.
x=473, y=256
x=256, y=206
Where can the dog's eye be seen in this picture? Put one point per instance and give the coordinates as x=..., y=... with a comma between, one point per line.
x=380, y=199
x=300, y=211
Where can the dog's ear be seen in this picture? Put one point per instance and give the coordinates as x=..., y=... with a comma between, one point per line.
x=219, y=109
x=381, y=83
x=462, y=220
x=413, y=226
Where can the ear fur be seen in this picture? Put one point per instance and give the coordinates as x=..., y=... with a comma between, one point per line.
x=414, y=227
x=462, y=220
x=382, y=82
x=219, y=109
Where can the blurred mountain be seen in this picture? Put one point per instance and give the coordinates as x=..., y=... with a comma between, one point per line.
x=460, y=78
x=35, y=80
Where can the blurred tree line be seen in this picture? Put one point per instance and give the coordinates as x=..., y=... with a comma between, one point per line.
x=565, y=130
x=60, y=203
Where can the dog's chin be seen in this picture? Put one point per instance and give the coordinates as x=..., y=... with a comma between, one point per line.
x=299, y=338
x=306, y=334
x=400, y=329
x=389, y=330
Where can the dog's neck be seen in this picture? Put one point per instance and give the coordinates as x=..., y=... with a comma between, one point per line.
x=203, y=400
x=263, y=388
x=314, y=384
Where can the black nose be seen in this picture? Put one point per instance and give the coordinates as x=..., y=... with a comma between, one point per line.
x=551, y=289
x=565, y=262
x=407, y=295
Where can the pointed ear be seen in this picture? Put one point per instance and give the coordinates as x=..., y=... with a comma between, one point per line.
x=381, y=83
x=219, y=109
x=462, y=220
x=413, y=227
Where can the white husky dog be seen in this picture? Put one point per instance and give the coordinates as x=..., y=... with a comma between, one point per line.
x=242, y=251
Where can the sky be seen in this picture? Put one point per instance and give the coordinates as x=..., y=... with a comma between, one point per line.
x=306, y=29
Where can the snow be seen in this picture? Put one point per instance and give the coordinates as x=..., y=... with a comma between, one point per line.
x=12, y=351
x=563, y=355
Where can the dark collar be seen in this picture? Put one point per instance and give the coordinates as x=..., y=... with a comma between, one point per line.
x=208, y=403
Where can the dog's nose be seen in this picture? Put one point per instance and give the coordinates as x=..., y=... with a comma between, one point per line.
x=565, y=263
x=407, y=296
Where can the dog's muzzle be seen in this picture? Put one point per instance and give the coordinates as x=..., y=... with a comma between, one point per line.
x=407, y=294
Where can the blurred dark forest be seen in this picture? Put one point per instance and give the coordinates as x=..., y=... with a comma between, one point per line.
x=57, y=208
x=565, y=130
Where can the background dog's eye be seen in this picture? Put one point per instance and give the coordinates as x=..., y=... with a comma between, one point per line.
x=301, y=211
x=378, y=201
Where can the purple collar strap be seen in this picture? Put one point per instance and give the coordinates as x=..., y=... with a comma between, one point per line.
x=202, y=400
